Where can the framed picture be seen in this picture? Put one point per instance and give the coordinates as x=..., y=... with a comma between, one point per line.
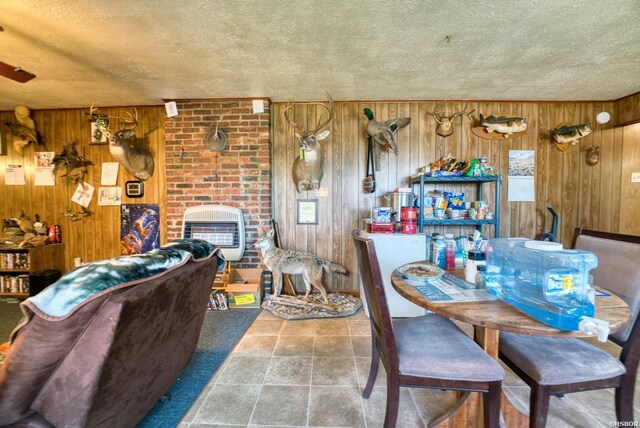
x=307, y=211
x=98, y=136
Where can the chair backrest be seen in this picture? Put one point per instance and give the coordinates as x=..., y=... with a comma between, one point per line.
x=376, y=299
x=618, y=269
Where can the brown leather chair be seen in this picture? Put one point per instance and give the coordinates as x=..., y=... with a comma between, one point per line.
x=555, y=366
x=427, y=351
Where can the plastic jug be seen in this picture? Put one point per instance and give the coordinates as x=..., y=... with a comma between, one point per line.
x=545, y=281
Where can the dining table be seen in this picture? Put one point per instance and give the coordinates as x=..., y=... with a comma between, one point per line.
x=489, y=315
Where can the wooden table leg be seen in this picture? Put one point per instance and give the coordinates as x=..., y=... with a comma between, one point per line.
x=468, y=410
x=510, y=416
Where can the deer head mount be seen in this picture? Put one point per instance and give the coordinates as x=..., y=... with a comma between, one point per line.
x=307, y=167
x=137, y=160
x=445, y=127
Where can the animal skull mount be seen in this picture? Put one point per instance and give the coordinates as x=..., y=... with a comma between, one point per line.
x=593, y=155
x=444, y=121
x=137, y=160
x=307, y=167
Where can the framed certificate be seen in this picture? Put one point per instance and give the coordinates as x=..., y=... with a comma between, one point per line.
x=307, y=211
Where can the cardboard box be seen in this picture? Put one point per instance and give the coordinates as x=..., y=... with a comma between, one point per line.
x=244, y=289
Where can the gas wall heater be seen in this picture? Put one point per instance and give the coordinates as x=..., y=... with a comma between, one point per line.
x=220, y=225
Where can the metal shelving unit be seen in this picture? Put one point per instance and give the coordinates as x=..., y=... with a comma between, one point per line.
x=421, y=180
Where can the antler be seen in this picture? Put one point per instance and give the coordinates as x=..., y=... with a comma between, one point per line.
x=320, y=124
x=286, y=115
x=437, y=115
x=463, y=111
x=130, y=121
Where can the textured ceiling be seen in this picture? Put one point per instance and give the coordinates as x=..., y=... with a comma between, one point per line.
x=138, y=52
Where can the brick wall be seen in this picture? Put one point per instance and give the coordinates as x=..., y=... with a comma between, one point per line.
x=238, y=176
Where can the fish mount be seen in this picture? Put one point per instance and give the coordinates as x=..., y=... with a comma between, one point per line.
x=500, y=128
x=565, y=136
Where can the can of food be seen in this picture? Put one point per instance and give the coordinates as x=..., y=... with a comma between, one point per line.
x=52, y=234
x=472, y=213
x=77, y=261
x=408, y=227
x=58, y=234
x=408, y=214
x=438, y=213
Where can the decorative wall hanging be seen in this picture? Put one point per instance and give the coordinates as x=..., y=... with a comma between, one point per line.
x=383, y=133
x=307, y=167
x=566, y=136
x=445, y=127
x=139, y=228
x=307, y=211
x=500, y=128
x=216, y=140
x=593, y=155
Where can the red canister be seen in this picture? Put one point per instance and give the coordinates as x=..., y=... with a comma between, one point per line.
x=408, y=214
x=58, y=234
x=408, y=227
x=52, y=234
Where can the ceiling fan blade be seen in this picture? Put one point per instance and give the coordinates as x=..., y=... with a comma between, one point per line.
x=15, y=73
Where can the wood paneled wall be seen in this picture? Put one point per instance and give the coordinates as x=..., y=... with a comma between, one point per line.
x=589, y=196
x=97, y=236
x=627, y=110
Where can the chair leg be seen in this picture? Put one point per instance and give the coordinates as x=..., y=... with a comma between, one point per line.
x=393, y=400
x=491, y=403
x=373, y=371
x=538, y=406
x=624, y=400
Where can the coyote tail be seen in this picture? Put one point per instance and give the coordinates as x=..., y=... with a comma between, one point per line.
x=334, y=267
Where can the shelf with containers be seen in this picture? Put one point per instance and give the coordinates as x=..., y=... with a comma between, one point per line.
x=421, y=180
x=17, y=264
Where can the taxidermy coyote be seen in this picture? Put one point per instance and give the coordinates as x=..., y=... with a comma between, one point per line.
x=292, y=262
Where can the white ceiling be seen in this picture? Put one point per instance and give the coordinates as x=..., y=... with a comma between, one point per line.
x=135, y=52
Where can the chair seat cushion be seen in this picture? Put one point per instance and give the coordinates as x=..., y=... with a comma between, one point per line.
x=556, y=361
x=433, y=346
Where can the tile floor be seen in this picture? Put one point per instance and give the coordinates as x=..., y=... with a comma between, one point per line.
x=311, y=373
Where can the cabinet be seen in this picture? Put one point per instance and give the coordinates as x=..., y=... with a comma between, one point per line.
x=17, y=263
x=421, y=181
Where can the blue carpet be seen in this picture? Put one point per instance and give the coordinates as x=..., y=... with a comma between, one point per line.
x=220, y=333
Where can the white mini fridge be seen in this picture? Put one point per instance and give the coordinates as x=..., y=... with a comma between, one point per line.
x=394, y=250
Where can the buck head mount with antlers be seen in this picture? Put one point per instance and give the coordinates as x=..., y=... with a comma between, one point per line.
x=137, y=160
x=307, y=168
x=444, y=120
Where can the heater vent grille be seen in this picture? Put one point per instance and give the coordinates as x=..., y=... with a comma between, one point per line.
x=220, y=225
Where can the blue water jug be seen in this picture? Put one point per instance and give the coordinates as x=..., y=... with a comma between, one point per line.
x=545, y=281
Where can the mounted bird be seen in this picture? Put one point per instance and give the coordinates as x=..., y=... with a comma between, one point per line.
x=383, y=133
x=24, y=131
x=75, y=165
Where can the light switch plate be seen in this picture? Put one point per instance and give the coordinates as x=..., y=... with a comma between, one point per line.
x=635, y=177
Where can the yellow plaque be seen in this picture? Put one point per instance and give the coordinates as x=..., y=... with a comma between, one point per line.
x=245, y=299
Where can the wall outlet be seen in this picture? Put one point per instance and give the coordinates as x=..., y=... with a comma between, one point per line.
x=635, y=177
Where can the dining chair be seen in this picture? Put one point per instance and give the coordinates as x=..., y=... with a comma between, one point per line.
x=425, y=351
x=556, y=366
